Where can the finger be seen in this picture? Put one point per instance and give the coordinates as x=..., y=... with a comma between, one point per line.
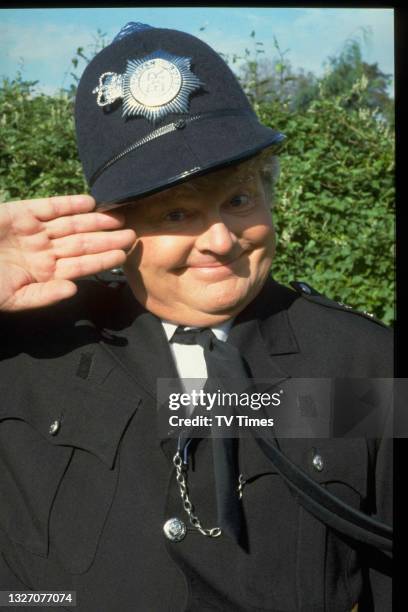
x=88, y=222
x=75, y=267
x=93, y=242
x=39, y=295
x=46, y=209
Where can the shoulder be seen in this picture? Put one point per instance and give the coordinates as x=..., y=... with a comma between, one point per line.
x=315, y=310
x=332, y=333
x=312, y=296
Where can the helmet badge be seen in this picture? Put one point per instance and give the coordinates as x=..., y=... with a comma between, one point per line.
x=151, y=87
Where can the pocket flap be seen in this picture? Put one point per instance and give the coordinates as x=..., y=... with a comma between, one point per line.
x=90, y=418
x=325, y=460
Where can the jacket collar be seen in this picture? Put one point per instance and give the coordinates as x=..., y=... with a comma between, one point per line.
x=261, y=332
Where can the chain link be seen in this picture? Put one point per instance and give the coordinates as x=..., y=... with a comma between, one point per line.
x=241, y=484
x=181, y=475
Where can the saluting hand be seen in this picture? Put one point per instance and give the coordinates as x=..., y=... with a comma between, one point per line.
x=46, y=243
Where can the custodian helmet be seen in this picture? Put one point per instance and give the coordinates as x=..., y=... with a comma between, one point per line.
x=157, y=107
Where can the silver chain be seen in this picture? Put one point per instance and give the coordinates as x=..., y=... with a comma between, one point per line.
x=241, y=483
x=181, y=475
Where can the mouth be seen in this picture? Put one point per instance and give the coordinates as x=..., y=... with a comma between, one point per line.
x=216, y=270
x=215, y=264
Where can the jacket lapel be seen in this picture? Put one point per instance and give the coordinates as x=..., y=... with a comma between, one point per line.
x=136, y=343
x=262, y=332
x=136, y=340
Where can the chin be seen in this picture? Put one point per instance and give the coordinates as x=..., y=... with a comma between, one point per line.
x=223, y=302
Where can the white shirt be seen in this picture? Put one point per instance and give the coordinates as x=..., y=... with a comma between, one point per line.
x=189, y=358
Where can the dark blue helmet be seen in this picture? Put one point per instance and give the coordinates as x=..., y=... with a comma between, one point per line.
x=157, y=107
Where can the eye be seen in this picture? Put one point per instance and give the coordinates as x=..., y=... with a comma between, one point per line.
x=240, y=201
x=175, y=216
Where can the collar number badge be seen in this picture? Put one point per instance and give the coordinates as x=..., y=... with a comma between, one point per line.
x=152, y=87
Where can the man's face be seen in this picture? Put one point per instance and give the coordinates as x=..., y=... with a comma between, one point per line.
x=203, y=249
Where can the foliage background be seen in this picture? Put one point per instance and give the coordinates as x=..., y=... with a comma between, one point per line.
x=335, y=196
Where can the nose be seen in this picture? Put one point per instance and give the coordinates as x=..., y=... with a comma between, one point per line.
x=217, y=238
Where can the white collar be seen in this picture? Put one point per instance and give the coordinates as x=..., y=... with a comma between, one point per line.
x=221, y=331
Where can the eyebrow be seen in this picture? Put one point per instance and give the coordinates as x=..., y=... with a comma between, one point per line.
x=185, y=191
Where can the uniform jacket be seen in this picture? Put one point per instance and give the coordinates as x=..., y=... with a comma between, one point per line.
x=83, y=509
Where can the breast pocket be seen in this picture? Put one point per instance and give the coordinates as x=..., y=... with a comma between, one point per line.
x=336, y=580
x=295, y=562
x=58, y=489
x=55, y=500
x=31, y=471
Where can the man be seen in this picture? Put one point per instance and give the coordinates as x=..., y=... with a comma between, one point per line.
x=94, y=499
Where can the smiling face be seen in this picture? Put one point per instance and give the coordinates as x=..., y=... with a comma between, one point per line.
x=203, y=249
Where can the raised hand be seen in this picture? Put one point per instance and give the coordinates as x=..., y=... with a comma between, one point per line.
x=46, y=243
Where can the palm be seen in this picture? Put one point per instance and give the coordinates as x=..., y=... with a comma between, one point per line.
x=46, y=243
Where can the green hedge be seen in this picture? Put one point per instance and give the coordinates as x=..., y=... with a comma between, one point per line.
x=38, y=153
x=335, y=209
x=335, y=204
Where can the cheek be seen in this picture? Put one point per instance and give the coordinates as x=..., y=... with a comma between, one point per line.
x=262, y=236
x=270, y=239
x=158, y=254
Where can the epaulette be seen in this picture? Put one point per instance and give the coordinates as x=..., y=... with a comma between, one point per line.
x=308, y=292
x=112, y=278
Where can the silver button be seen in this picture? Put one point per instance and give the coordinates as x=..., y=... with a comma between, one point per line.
x=305, y=288
x=318, y=463
x=54, y=427
x=174, y=529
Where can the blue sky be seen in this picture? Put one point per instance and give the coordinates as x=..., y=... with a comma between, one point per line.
x=41, y=42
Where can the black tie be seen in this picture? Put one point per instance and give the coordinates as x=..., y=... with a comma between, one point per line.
x=226, y=372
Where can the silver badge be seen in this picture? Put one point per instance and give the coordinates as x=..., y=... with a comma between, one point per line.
x=152, y=87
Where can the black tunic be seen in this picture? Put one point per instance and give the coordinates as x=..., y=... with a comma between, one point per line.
x=83, y=509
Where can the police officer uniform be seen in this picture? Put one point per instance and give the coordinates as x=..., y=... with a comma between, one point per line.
x=87, y=484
